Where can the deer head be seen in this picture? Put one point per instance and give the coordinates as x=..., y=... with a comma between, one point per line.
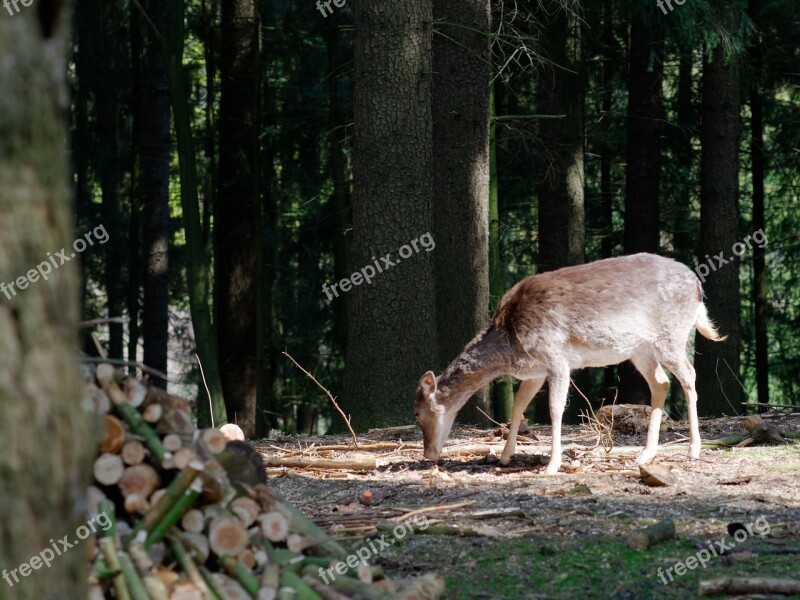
x=433, y=416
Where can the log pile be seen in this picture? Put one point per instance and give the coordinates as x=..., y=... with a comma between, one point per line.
x=186, y=514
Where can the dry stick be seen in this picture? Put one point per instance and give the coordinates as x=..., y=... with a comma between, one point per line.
x=603, y=431
x=333, y=400
x=419, y=511
x=208, y=393
x=93, y=322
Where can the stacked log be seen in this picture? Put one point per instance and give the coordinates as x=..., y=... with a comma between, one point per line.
x=187, y=514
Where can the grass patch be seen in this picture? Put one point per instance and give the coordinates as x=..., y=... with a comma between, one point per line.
x=586, y=569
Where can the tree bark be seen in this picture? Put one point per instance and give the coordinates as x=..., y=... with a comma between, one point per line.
x=48, y=439
x=503, y=388
x=155, y=147
x=460, y=109
x=645, y=129
x=196, y=259
x=717, y=364
x=562, y=230
x=643, y=175
x=758, y=166
x=236, y=211
x=392, y=321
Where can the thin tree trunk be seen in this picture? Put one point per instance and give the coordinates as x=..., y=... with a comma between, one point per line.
x=503, y=388
x=717, y=364
x=134, y=236
x=267, y=251
x=196, y=260
x=683, y=240
x=236, y=212
x=155, y=147
x=48, y=438
x=392, y=321
x=460, y=109
x=758, y=166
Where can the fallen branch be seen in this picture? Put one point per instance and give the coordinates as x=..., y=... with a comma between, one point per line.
x=366, y=463
x=749, y=585
x=333, y=400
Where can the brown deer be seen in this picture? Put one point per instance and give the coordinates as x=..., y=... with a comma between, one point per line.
x=641, y=307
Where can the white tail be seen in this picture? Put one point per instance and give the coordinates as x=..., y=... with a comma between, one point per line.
x=641, y=307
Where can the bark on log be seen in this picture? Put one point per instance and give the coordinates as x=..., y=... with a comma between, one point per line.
x=644, y=538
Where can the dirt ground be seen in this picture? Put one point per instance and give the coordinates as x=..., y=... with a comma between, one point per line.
x=515, y=533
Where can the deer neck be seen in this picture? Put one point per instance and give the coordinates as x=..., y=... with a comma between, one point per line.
x=483, y=360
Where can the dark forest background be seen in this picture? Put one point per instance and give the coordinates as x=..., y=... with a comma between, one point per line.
x=242, y=154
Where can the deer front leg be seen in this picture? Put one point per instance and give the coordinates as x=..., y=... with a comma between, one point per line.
x=559, y=387
x=527, y=390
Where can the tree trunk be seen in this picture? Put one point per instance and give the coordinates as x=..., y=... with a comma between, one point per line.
x=339, y=213
x=758, y=166
x=683, y=234
x=682, y=238
x=196, y=259
x=562, y=225
x=460, y=108
x=643, y=175
x=717, y=364
x=645, y=118
x=562, y=230
x=503, y=388
x=155, y=147
x=48, y=438
x=135, y=234
x=392, y=320
x=236, y=212
x=606, y=153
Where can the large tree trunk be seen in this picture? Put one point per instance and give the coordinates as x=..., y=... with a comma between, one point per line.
x=645, y=119
x=155, y=147
x=561, y=91
x=562, y=224
x=717, y=364
x=392, y=321
x=461, y=180
x=758, y=166
x=236, y=212
x=47, y=436
x=643, y=175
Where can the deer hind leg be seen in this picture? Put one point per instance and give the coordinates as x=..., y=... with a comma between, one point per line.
x=559, y=388
x=527, y=390
x=658, y=382
x=684, y=372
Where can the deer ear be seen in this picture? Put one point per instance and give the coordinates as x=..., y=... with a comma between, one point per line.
x=428, y=383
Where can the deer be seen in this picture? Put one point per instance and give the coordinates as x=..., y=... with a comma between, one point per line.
x=641, y=307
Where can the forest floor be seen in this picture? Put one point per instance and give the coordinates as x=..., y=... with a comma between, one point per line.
x=514, y=533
